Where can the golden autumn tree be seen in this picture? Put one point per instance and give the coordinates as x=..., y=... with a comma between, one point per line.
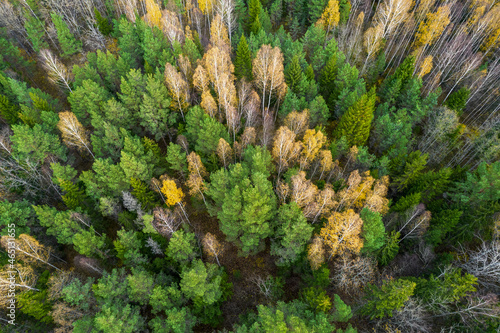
x=312, y=142
x=372, y=42
x=425, y=67
x=208, y=103
x=153, y=16
x=178, y=89
x=285, y=149
x=391, y=13
x=433, y=26
x=29, y=250
x=325, y=200
x=212, y=247
x=316, y=253
x=330, y=17
x=219, y=36
x=268, y=73
x=341, y=233
x=298, y=122
x=25, y=279
x=173, y=194
x=73, y=132
x=224, y=152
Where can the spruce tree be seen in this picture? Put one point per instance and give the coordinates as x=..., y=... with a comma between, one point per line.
x=293, y=74
x=383, y=300
x=345, y=10
x=243, y=62
x=327, y=77
x=309, y=72
x=355, y=123
x=373, y=230
x=102, y=23
x=74, y=197
x=68, y=42
x=458, y=99
x=8, y=111
x=254, y=7
x=256, y=26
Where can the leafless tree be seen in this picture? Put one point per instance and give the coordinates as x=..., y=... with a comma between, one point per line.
x=483, y=263
x=56, y=70
x=352, y=274
x=166, y=222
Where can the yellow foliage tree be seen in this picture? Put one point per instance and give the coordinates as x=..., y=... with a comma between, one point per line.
x=153, y=13
x=173, y=194
x=425, y=67
x=285, y=149
x=298, y=122
x=341, y=233
x=311, y=144
x=330, y=17
x=433, y=26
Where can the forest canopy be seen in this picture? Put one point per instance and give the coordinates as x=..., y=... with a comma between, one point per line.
x=249, y=166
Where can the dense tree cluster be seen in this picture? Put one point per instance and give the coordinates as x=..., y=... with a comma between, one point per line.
x=250, y=166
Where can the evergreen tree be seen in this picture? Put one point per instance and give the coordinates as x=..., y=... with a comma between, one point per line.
x=342, y=312
x=458, y=99
x=254, y=7
x=292, y=234
x=373, y=230
x=327, y=77
x=244, y=202
x=103, y=23
x=355, y=123
x=36, y=32
x=382, y=301
x=142, y=193
x=442, y=223
x=345, y=10
x=293, y=74
x=182, y=247
x=68, y=42
x=315, y=8
x=390, y=248
x=8, y=111
x=256, y=26
x=73, y=197
x=243, y=61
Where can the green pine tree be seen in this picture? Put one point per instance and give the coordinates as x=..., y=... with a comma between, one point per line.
x=142, y=193
x=373, y=230
x=458, y=99
x=103, y=23
x=243, y=61
x=382, y=301
x=293, y=74
x=68, y=42
x=342, y=311
x=345, y=10
x=355, y=123
x=309, y=72
x=36, y=32
x=254, y=7
x=256, y=26
x=390, y=248
x=8, y=111
x=73, y=197
x=327, y=77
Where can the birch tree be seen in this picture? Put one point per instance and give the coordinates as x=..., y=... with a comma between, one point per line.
x=56, y=70
x=73, y=132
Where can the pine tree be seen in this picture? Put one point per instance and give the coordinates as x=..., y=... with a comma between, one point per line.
x=254, y=7
x=256, y=26
x=73, y=197
x=315, y=8
x=390, y=248
x=345, y=10
x=382, y=301
x=36, y=33
x=458, y=100
x=342, y=311
x=327, y=77
x=142, y=193
x=68, y=42
x=102, y=23
x=355, y=123
x=8, y=111
x=373, y=231
x=243, y=61
x=293, y=74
